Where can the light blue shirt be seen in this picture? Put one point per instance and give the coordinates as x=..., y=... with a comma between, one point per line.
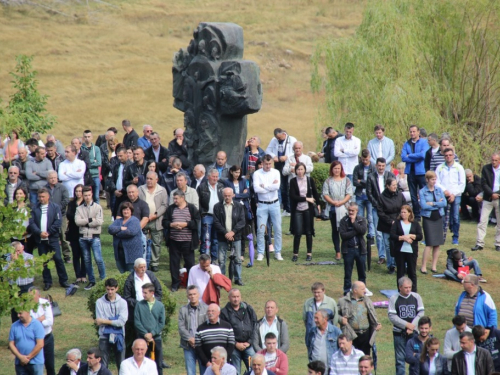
x=386, y=145
x=470, y=361
x=406, y=248
x=119, y=180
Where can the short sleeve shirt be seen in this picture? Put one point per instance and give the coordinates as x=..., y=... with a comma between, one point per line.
x=25, y=339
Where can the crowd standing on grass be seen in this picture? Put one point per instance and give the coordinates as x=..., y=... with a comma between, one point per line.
x=157, y=198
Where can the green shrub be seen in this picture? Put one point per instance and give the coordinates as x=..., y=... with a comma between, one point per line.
x=319, y=175
x=99, y=290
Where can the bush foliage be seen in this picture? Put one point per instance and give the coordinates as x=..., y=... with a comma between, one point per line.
x=434, y=64
x=99, y=290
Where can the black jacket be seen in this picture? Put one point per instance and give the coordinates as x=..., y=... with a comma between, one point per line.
x=65, y=370
x=483, y=365
x=192, y=225
x=84, y=370
x=397, y=230
x=295, y=198
x=134, y=170
x=193, y=181
x=237, y=220
x=180, y=152
x=243, y=322
x=73, y=229
x=372, y=190
x=472, y=189
x=163, y=156
x=85, y=157
x=388, y=209
x=129, y=291
x=54, y=221
x=349, y=230
x=112, y=185
x=328, y=147
x=130, y=139
x=358, y=177
x=487, y=178
x=204, y=195
x=21, y=165
x=167, y=180
x=105, y=167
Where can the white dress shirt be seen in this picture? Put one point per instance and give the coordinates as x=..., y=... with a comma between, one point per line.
x=138, y=283
x=290, y=171
x=349, y=156
x=269, y=191
x=44, y=309
x=130, y=367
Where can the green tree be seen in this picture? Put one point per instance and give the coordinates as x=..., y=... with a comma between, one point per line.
x=26, y=110
x=434, y=64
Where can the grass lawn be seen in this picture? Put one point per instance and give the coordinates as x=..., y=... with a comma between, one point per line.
x=287, y=283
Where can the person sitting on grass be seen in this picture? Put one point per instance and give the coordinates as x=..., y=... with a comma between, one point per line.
x=458, y=266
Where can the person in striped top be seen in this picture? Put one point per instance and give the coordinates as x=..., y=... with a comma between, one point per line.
x=345, y=361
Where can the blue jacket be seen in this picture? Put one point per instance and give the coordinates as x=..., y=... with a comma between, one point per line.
x=332, y=334
x=485, y=311
x=310, y=309
x=426, y=196
x=244, y=162
x=417, y=157
x=131, y=238
x=413, y=346
x=54, y=221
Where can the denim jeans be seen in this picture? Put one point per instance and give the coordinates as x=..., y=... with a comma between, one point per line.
x=209, y=243
x=265, y=211
x=378, y=234
x=105, y=347
x=353, y=255
x=95, y=188
x=415, y=183
x=452, y=218
x=387, y=246
x=93, y=244
x=33, y=197
x=366, y=210
x=399, y=353
x=29, y=370
x=473, y=265
x=52, y=247
x=234, y=264
x=191, y=359
x=244, y=356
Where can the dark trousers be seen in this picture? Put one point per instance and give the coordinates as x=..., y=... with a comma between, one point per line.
x=178, y=250
x=105, y=347
x=48, y=354
x=469, y=201
x=117, y=203
x=158, y=354
x=78, y=261
x=411, y=264
x=302, y=225
x=335, y=232
x=362, y=342
x=415, y=183
x=52, y=246
x=353, y=255
x=285, y=199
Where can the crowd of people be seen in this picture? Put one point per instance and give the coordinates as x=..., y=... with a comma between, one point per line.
x=157, y=198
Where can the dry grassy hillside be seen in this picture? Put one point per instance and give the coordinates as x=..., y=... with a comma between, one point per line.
x=103, y=62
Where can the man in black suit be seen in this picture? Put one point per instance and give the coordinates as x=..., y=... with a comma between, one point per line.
x=93, y=365
x=158, y=153
x=73, y=362
x=45, y=224
x=119, y=188
x=198, y=176
x=470, y=196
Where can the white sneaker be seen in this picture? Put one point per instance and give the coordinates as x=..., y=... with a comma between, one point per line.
x=368, y=293
x=278, y=256
x=285, y=213
x=260, y=257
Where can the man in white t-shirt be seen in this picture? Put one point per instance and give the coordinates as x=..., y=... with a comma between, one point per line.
x=347, y=149
x=71, y=170
x=201, y=274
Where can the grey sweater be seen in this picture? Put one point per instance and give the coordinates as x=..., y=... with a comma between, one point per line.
x=36, y=173
x=105, y=309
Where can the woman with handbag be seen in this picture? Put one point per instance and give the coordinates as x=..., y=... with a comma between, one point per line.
x=72, y=235
x=405, y=235
x=303, y=199
x=337, y=191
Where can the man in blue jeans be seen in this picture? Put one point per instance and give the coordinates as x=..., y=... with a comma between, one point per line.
x=413, y=154
x=89, y=218
x=405, y=310
x=352, y=230
x=360, y=177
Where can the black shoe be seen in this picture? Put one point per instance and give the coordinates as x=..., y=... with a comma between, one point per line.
x=239, y=282
x=249, y=265
x=174, y=289
x=497, y=248
x=391, y=270
x=477, y=247
x=295, y=258
x=164, y=364
x=154, y=268
x=309, y=258
x=89, y=286
x=65, y=285
x=47, y=287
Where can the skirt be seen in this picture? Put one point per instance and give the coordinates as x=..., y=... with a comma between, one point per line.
x=433, y=231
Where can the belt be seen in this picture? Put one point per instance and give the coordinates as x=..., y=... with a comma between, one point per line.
x=361, y=331
x=48, y=335
x=269, y=202
x=394, y=333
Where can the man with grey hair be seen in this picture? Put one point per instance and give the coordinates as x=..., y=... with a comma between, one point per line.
x=57, y=143
x=190, y=317
x=131, y=137
x=471, y=197
x=321, y=341
x=21, y=161
x=59, y=195
x=219, y=365
x=199, y=176
x=138, y=364
x=157, y=152
x=144, y=142
x=210, y=193
x=73, y=362
x=405, y=310
x=190, y=194
x=211, y=333
x=475, y=304
x=490, y=182
x=229, y=221
x=36, y=173
x=13, y=182
x=297, y=157
x=156, y=197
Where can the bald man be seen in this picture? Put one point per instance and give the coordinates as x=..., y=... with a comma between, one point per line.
x=221, y=165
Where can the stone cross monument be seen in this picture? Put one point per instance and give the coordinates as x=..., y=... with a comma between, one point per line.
x=216, y=89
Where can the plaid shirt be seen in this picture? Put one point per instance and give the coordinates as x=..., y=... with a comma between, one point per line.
x=28, y=259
